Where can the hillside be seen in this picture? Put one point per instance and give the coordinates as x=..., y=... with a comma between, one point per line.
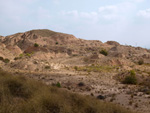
x=115, y=72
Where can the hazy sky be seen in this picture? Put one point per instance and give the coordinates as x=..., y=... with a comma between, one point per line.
x=125, y=21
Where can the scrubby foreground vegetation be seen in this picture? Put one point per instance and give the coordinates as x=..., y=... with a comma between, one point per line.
x=19, y=94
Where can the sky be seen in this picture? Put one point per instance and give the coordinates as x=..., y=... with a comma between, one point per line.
x=124, y=21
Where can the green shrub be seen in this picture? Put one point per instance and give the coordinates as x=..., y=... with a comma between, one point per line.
x=6, y=60
x=56, y=43
x=132, y=72
x=140, y=62
x=130, y=79
x=1, y=58
x=104, y=52
x=36, y=45
x=17, y=58
x=47, y=67
x=21, y=55
x=76, y=68
x=28, y=54
x=58, y=85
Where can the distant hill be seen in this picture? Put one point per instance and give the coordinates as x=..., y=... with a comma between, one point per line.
x=51, y=42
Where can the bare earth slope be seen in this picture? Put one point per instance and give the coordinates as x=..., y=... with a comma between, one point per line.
x=89, y=67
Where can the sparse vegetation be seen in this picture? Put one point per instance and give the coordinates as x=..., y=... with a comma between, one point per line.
x=23, y=55
x=44, y=32
x=95, y=68
x=74, y=55
x=56, y=43
x=19, y=94
x=104, y=52
x=20, y=56
x=28, y=54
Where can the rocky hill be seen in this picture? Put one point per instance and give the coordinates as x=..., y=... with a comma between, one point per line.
x=46, y=45
x=100, y=68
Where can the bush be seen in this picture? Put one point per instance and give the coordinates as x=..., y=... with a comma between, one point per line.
x=104, y=52
x=81, y=84
x=6, y=60
x=130, y=79
x=36, y=45
x=1, y=58
x=47, y=67
x=28, y=54
x=132, y=72
x=56, y=43
x=76, y=68
x=58, y=85
x=140, y=62
x=21, y=55
x=17, y=58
